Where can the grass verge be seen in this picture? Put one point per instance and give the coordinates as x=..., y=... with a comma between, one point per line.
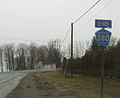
x=84, y=86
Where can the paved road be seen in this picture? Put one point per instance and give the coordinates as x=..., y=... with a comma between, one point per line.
x=9, y=80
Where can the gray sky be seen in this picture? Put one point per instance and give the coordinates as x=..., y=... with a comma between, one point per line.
x=49, y=19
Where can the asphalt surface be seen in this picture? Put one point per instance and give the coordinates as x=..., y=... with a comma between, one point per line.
x=8, y=81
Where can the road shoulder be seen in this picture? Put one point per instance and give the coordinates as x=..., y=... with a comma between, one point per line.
x=33, y=87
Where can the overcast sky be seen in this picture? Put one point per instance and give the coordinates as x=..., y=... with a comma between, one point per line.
x=50, y=19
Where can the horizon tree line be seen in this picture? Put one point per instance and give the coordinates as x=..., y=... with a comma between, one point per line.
x=25, y=56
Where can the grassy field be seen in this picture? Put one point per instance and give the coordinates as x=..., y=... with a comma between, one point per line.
x=83, y=86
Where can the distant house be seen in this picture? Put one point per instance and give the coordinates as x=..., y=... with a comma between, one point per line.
x=38, y=65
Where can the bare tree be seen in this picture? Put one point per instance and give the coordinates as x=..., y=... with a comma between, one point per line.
x=33, y=55
x=9, y=56
x=42, y=54
x=87, y=43
x=76, y=51
x=1, y=58
x=54, y=55
x=21, y=52
x=82, y=48
x=69, y=51
x=79, y=49
x=113, y=41
x=63, y=51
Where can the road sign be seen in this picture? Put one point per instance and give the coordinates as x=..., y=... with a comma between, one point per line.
x=103, y=23
x=8, y=64
x=103, y=37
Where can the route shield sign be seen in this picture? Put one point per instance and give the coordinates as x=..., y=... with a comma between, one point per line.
x=103, y=23
x=103, y=37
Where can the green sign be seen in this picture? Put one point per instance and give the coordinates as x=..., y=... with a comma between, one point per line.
x=8, y=64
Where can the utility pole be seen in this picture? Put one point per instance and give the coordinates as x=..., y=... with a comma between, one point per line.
x=71, y=50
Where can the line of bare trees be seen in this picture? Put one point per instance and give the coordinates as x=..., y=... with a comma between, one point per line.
x=90, y=63
x=79, y=49
x=25, y=56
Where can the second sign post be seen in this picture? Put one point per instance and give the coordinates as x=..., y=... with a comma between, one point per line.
x=103, y=39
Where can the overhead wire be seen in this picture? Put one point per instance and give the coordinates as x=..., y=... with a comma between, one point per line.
x=65, y=37
x=95, y=15
x=86, y=11
x=78, y=20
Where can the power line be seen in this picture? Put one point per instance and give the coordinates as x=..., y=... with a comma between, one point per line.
x=65, y=36
x=96, y=14
x=78, y=20
x=87, y=11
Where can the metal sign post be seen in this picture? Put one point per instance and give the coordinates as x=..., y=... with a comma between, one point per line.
x=103, y=39
x=102, y=70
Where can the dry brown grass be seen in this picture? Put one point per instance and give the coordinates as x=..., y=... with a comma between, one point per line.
x=83, y=86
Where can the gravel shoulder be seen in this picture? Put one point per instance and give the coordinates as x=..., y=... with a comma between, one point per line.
x=33, y=87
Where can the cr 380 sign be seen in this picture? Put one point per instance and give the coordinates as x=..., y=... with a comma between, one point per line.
x=103, y=36
x=103, y=39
